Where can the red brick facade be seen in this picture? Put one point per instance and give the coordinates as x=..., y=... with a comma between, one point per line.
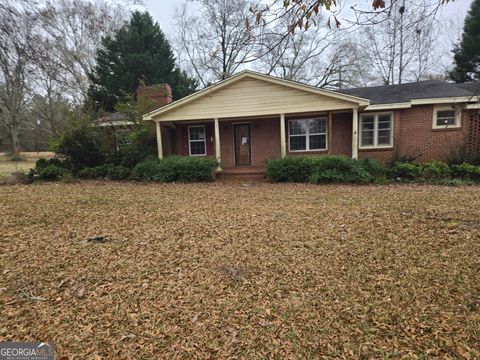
x=413, y=135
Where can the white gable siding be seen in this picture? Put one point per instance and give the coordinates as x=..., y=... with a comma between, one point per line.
x=253, y=97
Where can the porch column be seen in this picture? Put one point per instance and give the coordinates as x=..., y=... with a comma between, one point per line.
x=355, y=133
x=330, y=134
x=283, y=140
x=159, y=140
x=217, y=144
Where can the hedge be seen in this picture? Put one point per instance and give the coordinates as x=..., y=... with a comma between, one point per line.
x=107, y=171
x=48, y=170
x=176, y=169
x=324, y=169
x=342, y=169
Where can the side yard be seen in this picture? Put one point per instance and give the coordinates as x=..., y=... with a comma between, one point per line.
x=223, y=270
x=28, y=162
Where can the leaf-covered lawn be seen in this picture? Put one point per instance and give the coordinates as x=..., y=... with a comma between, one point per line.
x=232, y=271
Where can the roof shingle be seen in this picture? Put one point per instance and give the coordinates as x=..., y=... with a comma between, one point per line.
x=428, y=89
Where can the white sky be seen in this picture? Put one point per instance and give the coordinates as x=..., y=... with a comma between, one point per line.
x=451, y=17
x=163, y=11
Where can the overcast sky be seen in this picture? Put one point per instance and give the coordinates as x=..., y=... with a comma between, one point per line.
x=163, y=10
x=451, y=17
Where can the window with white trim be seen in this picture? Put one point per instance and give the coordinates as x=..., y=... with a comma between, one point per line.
x=196, y=140
x=446, y=116
x=307, y=134
x=376, y=130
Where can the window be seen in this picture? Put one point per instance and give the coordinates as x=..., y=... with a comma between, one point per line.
x=307, y=134
x=376, y=130
x=446, y=116
x=196, y=140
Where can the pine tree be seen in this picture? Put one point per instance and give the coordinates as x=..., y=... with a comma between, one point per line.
x=467, y=53
x=137, y=52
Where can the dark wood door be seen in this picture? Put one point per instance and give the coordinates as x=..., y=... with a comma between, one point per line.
x=242, y=144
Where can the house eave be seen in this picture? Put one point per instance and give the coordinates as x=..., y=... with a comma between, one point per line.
x=445, y=100
x=391, y=106
x=471, y=102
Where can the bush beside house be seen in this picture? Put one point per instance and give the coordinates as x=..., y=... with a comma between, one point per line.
x=176, y=169
x=341, y=169
x=169, y=169
x=324, y=169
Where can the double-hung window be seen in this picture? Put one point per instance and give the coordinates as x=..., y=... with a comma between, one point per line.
x=196, y=140
x=376, y=130
x=446, y=116
x=307, y=134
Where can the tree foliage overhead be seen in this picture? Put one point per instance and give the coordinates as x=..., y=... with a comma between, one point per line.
x=467, y=53
x=137, y=52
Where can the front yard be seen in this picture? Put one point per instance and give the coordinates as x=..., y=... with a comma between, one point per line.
x=242, y=271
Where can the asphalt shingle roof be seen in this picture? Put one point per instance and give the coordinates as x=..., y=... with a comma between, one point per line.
x=388, y=94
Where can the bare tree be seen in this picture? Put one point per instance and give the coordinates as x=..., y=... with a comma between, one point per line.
x=321, y=56
x=217, y=40
x=18, y=38
x=304, y=14
x=401, y=45
x=47, y=49
x=75, y=29
x=292, y=56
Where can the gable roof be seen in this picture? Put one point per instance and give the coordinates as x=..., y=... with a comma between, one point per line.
x=429, y=89
x=248, y=74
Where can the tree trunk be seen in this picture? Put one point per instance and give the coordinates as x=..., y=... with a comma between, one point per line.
x=15, y=144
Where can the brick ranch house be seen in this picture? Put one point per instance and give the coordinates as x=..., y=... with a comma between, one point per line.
x=250, y=118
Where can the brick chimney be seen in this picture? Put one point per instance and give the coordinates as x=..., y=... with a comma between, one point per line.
x=160, y=94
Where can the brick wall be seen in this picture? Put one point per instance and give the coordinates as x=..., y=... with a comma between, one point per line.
x=473, y=141
x=413, y=135
x=159, y=95
x=341, y=143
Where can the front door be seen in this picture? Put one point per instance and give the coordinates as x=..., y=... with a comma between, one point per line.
x=241, y=135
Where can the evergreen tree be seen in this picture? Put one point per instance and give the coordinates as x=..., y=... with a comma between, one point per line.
x=137, y=52
x=467, y=53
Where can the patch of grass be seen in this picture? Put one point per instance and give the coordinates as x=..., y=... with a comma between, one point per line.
x=28, y=162
x=226, y=271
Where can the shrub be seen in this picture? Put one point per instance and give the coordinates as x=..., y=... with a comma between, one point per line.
x=454, y=182
x=49, y=173
x=407, y=157
x=435, y=170
x=87, y=173
x=106, y=171
x=406, y=170
x=374, y=167
x=118, y=173
x=339, y=169
x=462, y=153
x=466, y=171
x=42, y=163
x=81, y=147
x=140, y=144
x=67, y=177
x=176, y=168
x=290, y=169
x=323, y=169
x=47, y=169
